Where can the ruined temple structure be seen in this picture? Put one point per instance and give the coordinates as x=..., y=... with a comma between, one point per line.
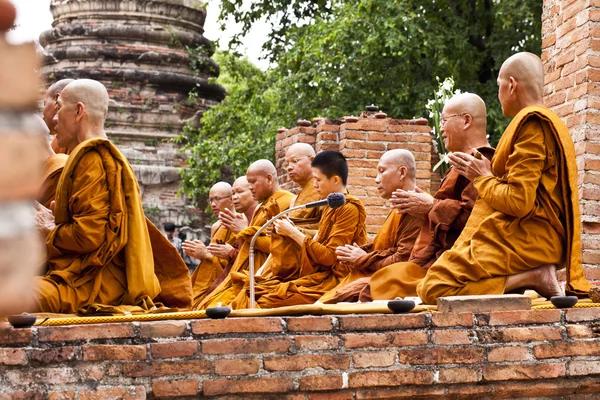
x=155, y=62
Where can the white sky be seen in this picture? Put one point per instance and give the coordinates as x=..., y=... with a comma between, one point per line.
x=34, y=17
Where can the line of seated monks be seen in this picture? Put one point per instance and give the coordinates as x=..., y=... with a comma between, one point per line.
x=502, y=221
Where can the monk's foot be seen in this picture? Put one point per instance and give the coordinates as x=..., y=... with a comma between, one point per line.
x=547, y=283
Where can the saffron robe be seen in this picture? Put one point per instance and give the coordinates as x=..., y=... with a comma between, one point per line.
x=453, y=203
x=53, y=167
x=101, y=250
x=219, y=293
x=526, y=216
x=392, y=244
x=302, y=274
x=307, y=219
x=208, y=270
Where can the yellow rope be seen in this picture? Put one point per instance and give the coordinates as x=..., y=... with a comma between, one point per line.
x=578, y=305
x=121, y=318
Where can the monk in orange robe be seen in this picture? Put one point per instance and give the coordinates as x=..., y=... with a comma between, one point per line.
x=525, y=222
x=396, y=237
x=99, y=243
x=50, y=109
x=211, y=265
x=262, y=177
x=303, y=273
x=444, y=217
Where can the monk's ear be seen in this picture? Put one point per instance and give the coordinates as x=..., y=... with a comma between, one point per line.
x=512, y=84
x=79, y=110
x=468, y=120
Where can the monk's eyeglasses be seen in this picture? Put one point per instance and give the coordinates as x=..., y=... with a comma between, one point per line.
x=293, y=161
x=445, y=119
x=217, y=199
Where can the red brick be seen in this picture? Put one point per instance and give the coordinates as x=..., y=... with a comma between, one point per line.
x=15, y=336
x=346, y=134
x=367, y=125
x=459, y=375
x=92, y=372
x=388, y=339
x=306, y=361
x=111, y=392
x=246, y=346
x=353, y=153
x=13, y=356
x=174, y=349
x=175, y=388
x=328, y=128
x=164, y=368
x=360, y=145
x=523, y=372
x=409, y=128
x=387, y=137
x=113, y=352
x=248, y=385
x=381, y=321
x=582, y=314
x=85, y=332
x=367, y=359
x=163, y=329
x=447, y=320
x=389, y=378
x=512, y=353
x=523, y=317
x=330, y=396
x=454, y=355
x=451, y=336
x=62, y=395
x=558, y=387
x=316, y=342
x=237, y=325
x=320, y=382
x=584, y=367
x=568, y=349
x=469, y=392
x=238, y=366
x=532, y=334
x=580, y=331
x=405, y=392
x=54, y=355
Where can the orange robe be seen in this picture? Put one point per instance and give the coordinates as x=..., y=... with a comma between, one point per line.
x=101, y=250
x=392, y=244
x=453, y=203
x=307, y=219
x=208, y=270
x=302, y=274
x=527, y=214
x=272, y=206
x=51, y=175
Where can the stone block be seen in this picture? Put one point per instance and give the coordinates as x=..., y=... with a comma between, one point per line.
x=486, y=303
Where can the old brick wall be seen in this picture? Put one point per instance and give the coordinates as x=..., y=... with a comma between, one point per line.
x=571, y=55
x=512, y=354
x=362, y=143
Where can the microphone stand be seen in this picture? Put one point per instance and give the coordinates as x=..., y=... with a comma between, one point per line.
x=258, y=232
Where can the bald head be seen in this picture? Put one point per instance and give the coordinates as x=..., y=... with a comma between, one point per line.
x=91, y=94
x=520, y=83
x=262, y=177
x=464, y=123
x=396, y=170
x=297, y=163
x=219, y=197
x=58, y=87
x=49, y=111
x=242, y=195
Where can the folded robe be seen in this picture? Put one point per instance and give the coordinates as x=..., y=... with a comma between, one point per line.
x=526, y=216
x=53, y=167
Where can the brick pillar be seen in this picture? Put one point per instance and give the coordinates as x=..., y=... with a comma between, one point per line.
x=571, y=56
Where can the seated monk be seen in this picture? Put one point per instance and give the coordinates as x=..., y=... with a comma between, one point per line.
x=212, y=265
x=262, y=178
x=396, y=237
x=525, y=221
x=99, y=244
x=53, y=167
x=302, y=268
x=50, y=109
x=463, y=127
x=297, y=161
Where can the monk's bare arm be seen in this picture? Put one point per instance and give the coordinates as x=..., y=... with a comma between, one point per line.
x=515, y=193
x=89, y=206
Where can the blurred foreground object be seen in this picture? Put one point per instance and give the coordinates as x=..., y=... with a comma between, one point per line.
x=20, y=168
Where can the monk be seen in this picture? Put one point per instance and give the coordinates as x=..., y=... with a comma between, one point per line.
x=525, y=222
x=101, y=250
x=52, y=168
x=262, y=178
x=211, y=265
x=303, y=273
x=297, y=160
x=50, y=109
x=396, y=237
x=443, y=216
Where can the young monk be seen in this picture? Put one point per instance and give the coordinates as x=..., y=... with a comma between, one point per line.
x=262, y=177
x=99, y=244
x=525, y=222
x=443, y=216
x=394, y=241
x=211, y=265
x=305, y=271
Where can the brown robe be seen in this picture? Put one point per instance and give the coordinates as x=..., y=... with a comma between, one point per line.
x=307, y=219
x=53, y=167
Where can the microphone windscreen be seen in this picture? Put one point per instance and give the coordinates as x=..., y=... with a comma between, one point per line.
x=335, y=200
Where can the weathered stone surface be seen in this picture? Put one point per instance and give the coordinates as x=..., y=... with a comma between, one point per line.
x=506, y=302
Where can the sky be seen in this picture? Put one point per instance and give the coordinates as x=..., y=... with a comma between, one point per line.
x=34, y=17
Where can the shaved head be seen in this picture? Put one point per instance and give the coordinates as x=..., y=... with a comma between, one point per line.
x=242, y=195
x=396, y=170
x=221, y=188
x=92, y=94
x=58, y=87
x=241, y=182
x=401, y=157
x=464, y=126
x=49, y=111
x=219, y=197
x=521, y=83
x=301, y=150
x=469, y=103
x=297, y=163
x=263, y=167
x=262, y=177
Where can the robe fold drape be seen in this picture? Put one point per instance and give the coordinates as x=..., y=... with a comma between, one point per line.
x=526, y=216
x=53, y=167
x=307, y=219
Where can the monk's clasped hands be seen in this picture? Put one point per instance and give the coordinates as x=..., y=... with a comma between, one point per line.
x=285, y=227
x=233, y=221
x=349, y=253
x=413, y=203
x=44, y=219
x=220, y=250
x=196, y=249
x=469, y=166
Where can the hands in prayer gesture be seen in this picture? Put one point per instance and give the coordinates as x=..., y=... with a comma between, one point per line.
x=196, y=249
x=470, y=166
x=220, y=250
x=44, y=218
x=233, y=221
x=349, y=253
x=413, y=203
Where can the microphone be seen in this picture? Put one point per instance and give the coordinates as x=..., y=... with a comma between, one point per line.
x=333, y=200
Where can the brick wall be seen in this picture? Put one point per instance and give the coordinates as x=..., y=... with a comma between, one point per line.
x=508, y=354
x=571, y=55
x=362, y=143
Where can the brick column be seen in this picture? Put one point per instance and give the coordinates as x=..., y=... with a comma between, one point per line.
x=571, y=56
